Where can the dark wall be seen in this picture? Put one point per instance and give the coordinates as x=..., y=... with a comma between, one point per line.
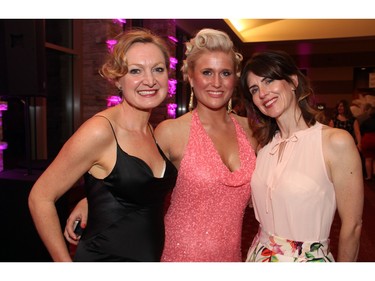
x=22, y=58
x=20, y=240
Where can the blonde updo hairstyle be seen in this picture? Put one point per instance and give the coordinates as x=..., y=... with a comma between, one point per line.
x=209, y=40
x=116, y=64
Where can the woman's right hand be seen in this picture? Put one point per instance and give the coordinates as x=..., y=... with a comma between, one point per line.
x=80, y=213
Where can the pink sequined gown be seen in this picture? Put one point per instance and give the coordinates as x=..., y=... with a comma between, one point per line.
x=204, y=220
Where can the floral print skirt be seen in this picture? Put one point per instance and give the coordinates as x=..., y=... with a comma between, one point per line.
x=269, y=248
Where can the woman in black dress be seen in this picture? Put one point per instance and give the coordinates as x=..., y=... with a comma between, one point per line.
x=127, y=175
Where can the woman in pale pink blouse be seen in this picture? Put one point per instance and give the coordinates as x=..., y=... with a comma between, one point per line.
x=304, y=169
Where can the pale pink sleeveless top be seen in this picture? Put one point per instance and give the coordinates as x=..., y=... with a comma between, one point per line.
x=204, y=220
x=292, y=195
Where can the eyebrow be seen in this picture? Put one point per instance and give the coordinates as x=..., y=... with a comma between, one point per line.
x=264, y=78
x=142, y=65
x=253, y=86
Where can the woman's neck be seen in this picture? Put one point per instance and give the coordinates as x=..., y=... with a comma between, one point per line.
x=291, y=124
x=208, y=116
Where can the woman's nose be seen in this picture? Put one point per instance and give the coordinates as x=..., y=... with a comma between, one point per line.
x=262, y=92
x=216, y=80
x=149, y=79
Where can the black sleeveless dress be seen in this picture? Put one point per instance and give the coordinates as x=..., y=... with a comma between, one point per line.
x=126, y=212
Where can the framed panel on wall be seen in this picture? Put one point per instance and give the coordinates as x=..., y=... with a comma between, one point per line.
x=364, y=79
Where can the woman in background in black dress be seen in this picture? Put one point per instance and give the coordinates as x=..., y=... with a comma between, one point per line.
x=125, y=185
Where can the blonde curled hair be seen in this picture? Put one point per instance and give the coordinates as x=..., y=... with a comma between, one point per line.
x=208, y=39
x=116, y=64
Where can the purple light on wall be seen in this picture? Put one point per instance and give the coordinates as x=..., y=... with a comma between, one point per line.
x=120, y=21
x=171, y=109
x=172, y=83
x=3, y=145
x=3, y=106
x=304, y=48
x=261, y=47
x=172, y=38
x=173, y=62
x=304, y=52
x=113, y=100
x=110, y=44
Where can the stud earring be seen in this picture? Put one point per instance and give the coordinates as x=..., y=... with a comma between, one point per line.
x=118, y=86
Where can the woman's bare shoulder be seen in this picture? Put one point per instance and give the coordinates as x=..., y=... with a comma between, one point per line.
x=337, y=139
x=339, y=148
x=173, y=126
x=172, y=136
x=97, y=127
x=244, y=123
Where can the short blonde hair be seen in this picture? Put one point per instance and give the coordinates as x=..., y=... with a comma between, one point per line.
x=209, y=40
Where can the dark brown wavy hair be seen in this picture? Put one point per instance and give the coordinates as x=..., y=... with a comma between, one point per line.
x=276, y=65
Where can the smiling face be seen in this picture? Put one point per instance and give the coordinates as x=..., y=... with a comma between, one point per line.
x=272, y=97
x=145, y=85
x=213, y=79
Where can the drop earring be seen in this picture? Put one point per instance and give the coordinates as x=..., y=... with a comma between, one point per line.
x=191, y=101
x=229, y=109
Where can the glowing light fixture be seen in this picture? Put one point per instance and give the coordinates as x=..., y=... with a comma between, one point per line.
x=171, y=109
x=173, y=39
x=173, y=62
x=172, y=83
x=110, y=44
x=120, y=21
x=113, y=100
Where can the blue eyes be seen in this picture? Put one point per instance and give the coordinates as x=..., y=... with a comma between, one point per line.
x=139, y=70
x=222, y=74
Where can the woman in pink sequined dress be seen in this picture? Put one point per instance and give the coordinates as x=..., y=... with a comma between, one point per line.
x=213, y=150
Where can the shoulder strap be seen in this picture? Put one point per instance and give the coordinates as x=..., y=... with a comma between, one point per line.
x=157, y=145
x=152, y=132
x=109, y=124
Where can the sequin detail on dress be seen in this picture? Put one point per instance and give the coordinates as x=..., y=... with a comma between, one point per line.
x=204, y=220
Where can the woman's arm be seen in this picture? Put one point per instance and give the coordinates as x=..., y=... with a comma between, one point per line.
x=172, y=136
x=345, y=169
x=76, y=157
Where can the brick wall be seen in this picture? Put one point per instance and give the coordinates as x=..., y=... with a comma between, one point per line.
x=96, y=89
